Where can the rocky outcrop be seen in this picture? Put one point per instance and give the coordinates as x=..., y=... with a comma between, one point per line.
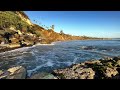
x=18, y=72
x=108, y=68
x=109, y=72
x=78, y=73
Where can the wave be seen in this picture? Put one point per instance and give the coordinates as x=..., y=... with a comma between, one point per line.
x=16, y=50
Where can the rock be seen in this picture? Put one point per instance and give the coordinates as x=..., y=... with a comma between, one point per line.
x=13, y=69
x=117, y=63
x=108, y=58
x=93, y=62
x=79, y=73
x=64, y=73
x=109, y=64
x=110, y=72
x=18, y=72
x=87, y=47
x=116, y=58
x=43, y=75
x=4, y=75
x=77, y=66
x=116, y=77
x=85, y=73
x=1, y=72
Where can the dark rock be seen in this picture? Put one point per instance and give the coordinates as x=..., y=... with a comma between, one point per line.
x=4, y=74
x=79, y=73
x=18, y=72
x=43, y=75
x=116, y=58
x=116, y=77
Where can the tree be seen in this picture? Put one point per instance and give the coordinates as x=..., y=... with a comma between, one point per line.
x=61, y=32
x=52, y=27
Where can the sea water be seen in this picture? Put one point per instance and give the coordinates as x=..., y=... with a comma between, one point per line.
x=45, y=58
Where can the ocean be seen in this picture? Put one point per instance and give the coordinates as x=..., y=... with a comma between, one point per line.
x=45, y=58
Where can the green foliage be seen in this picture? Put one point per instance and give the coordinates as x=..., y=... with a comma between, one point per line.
x=23, y=14
x=61, y=32
x=8, y=18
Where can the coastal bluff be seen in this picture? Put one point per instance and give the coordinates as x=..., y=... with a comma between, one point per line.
x=17, y=30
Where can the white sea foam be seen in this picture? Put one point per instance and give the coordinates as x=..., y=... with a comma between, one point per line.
x=39, y=44
x=75, y=60
x=49, y=63
x=26, y=48
x=18, y=49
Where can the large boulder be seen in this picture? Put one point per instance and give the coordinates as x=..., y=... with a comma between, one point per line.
x=79, y=73
x=18, y=72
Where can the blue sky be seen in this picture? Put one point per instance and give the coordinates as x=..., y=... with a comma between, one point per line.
x=90, y=23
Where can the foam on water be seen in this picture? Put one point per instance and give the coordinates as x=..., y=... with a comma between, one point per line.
x=49, y=63
x=58, y=54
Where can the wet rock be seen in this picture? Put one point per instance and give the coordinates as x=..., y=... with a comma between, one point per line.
x=79, y=73
x=93, y=62
x=117, y=63
x=18, y=72
x=13, y=69
x=116, y=77
x=64, y=73
x=78, y=66
x=88, y=47
x=43, y=75
x=110, y=72
x=116, y=58
x=109, y=64
x=97, y=69
x=118, y=69
x=85, y=73
x=108, y=58
x=4, y=74
x=1, y=72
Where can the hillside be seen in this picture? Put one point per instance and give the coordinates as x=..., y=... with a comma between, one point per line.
x=16, y=30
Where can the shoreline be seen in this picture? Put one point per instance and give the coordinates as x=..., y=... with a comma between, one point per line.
x=108, y=68
x=4, y=49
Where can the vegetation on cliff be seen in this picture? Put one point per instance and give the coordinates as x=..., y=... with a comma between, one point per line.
x=16, y=28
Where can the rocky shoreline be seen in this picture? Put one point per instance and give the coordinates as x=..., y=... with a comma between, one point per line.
x=8, y=47
x=108, y=68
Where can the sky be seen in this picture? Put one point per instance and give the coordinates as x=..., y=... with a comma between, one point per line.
x=103, y=24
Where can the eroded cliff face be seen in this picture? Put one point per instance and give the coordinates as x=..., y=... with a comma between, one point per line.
x=16, y=29
x=24, y=17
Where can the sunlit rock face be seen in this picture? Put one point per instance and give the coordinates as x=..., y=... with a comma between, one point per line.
x=24, y=18
x=17, y=72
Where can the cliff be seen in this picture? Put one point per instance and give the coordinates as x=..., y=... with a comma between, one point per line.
x=16, y=30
